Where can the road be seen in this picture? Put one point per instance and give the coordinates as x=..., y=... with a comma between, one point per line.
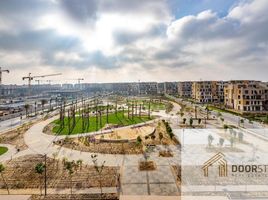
x=229, y=118
x=19, y=118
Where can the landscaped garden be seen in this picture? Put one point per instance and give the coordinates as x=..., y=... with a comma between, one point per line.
x=28, y=173
x=15, y=137
x=93, y=123
x=161, y=136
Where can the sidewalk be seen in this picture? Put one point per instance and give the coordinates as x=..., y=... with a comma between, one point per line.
x=94, y=190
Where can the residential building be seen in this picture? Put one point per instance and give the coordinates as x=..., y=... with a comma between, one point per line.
x=185, y=89
x=171, y=88
x=246, y=96
x=208, y=91
x=148, y=88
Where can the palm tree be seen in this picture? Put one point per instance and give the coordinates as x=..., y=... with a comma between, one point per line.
x=39, y=169
x=107, y=111
x=149, y=108
x=2, y=169
x=27, y=106
x=50, y=101
x=35, y=108
x=43, y=102
x=116, y=107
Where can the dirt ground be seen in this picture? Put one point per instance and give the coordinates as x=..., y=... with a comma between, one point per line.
x=83, y=144
x=16, y=137
x=76, y=196
x=128, y=133
x=20, y=174
x=127, y=147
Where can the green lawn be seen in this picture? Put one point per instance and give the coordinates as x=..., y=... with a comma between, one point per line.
x=153, y=106
x=101, y=107
x=210, y=107
x=3, y=150
x=120, y=119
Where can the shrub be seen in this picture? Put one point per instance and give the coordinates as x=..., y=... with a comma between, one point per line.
x=139, y=140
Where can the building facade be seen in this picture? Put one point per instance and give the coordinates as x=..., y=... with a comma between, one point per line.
x=185, y=89
x=208, y=91
x=246, y=96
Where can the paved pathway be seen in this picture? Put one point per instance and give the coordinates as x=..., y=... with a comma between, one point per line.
x=161, y=181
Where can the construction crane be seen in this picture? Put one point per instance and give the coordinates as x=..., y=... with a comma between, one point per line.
x=79, y=80
x=30, y=77
x=76, y=79
x=38, y=81
x=49, y=81
x=1, y=71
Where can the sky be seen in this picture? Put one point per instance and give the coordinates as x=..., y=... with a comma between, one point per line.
x=130, y=40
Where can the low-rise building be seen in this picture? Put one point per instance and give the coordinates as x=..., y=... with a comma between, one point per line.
x=148, y=88
x=185, y=89
x=208, y=91
x=246, y=96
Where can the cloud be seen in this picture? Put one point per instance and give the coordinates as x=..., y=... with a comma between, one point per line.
x=126, y=37
x=82, y=11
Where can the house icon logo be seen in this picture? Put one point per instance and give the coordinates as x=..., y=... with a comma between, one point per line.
x=218, y=159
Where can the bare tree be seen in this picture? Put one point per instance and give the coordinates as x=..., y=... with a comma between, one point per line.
x=98, y=168
x=2, y=169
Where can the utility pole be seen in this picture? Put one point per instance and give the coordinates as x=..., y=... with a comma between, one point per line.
x=45, y=174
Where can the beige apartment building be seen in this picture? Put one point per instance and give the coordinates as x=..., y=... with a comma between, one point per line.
x=208, y=91
x=246, y=96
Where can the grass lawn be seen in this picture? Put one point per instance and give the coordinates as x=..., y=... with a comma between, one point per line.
x=120, y=119
x=3, y=150
x=154, y=105
x=222, y=110
x=252, y=117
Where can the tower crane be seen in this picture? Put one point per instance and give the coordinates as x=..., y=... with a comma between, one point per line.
x=1, y=71
x=79, y=80
x=39, y=81
x=76, y=79
x=30, y=77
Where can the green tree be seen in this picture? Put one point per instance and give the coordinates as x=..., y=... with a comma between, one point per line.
x=191, y=121
x=79, y=163
x=242, y=122
x=39, y=169
x=69, y=166
x=139, y=140
x=2, y=169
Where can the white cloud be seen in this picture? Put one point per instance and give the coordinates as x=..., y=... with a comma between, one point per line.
x=131, y=40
